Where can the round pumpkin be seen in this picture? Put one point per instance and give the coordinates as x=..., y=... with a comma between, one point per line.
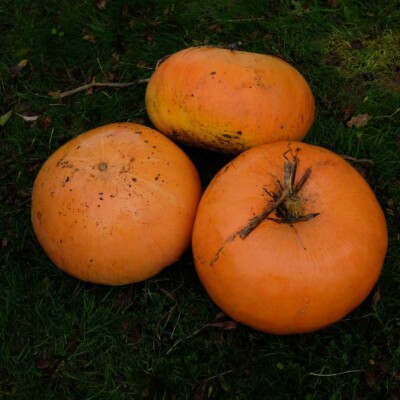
x=228, y=100
x=288, y=238
x=115, y=205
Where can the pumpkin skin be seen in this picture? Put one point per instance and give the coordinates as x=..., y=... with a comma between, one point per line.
x=289, y=278
x=229, y=101
x=115, y=205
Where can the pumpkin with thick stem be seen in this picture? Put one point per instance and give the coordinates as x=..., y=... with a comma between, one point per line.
x=228, y=100
x=115, y=205
x=288, y=238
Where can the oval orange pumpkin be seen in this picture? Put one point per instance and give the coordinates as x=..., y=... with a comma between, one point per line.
x=229, y=101
x=115, y=205
x=288, y=249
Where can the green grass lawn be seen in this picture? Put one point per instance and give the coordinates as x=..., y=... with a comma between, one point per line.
x=65, y=339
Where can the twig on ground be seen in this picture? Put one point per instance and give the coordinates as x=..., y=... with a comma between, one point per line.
x=351, y=371
x=358, y=160
x=96, y=84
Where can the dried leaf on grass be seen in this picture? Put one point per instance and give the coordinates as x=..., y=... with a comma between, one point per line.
x=45, y=122
x=221, y=322
x=15, y=70
x=5, y=117
x=168, y=294
x=89, y=38
x=376, y=298
x=332, y=59
x=42, y=363
x=101, y=4
x=225, y=325
x=358, y=121
x=29, y=118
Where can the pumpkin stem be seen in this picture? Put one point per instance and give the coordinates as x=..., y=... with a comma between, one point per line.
x=287, y=203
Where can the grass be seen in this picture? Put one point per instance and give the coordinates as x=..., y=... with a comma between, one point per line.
x=64, y=339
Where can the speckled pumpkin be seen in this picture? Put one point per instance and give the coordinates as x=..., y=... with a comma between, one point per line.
x=228, y=100
x=302, y=265
x=115, y=205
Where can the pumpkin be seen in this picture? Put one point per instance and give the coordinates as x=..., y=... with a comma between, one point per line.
x=115, y=205
x=288, y=238
x=228, y=101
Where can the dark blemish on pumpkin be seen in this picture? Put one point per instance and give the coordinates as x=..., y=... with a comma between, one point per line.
x=64, y=164
x=154, y=147
x=98, y=205
x=212, y=73
x=67, y=179
x=112, y=196
x=192, y=95
x=39, y=215
x=70, y=190
x=134, y=179
x=239, y=132
x=157, y=177
x=100, y=198
x=78, y=147
x=146, y=141
x=302, y=118
x=91, y=260
x=229, y=137
x=60, y=161
x=138, y=132
x=61, y=240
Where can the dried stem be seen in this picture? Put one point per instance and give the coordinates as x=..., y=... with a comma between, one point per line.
x=255, y=221
x=359, y=160
x=303, y=180
x=288, y=200
x=287, y=203
x=97, y=84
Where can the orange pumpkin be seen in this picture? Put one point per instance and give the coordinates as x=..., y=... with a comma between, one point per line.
x=115, y=205
x=292, y=248
x=229, y=101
